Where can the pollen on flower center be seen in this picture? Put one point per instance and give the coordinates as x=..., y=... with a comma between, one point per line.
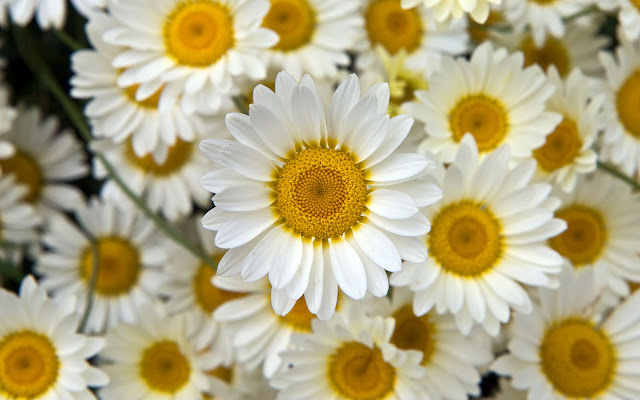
x=178, y=155
x=414, y=333
x=299, y=318
x=29, y=365
x=577, y=358
x=465, y=239
x=359, y=372
x=26, y=171
x=562, y=146
x=628, y=104
x=118, y=266
x=293, y=20
x=321, y=193
x=485, y=118
x=208, y=296
x=584, y=239
x=164, y=368
x=198, y=32
x=389, y=25
x=553, y=52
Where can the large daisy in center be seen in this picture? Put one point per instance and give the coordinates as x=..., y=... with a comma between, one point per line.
x=317, y=200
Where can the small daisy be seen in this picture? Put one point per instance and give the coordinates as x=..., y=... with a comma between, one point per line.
x=628, y=16
x=492, y=97
x=351, y=357
x=41, y=354
x=7, y=115
x=194, y=48
x=44, y=160
x=156, y=359
x=563, y=351
x=323, y=202
x=314, y=35
x=487, y=238
x=568, y=150
x=128, y=265
x=18, y=219
x=622, y=134
x=603, y=219
x=446, y=9
x=414, y=31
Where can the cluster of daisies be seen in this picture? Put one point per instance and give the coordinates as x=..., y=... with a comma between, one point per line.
x=324, y=199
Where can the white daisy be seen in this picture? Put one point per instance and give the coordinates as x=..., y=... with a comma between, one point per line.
x=446, y=9
x=41, y=354
x=305, y=197
x=628, y=16
x=7, y=115
x=194, y=48
x=622, y=132
x=128, y=265
x=18, y=219
x=44, y=160
x=156, y=359
x=492, y=97
x=413, y=30
x=88, y=7
x=488, y=237
x=563, y=351
x=351, y=357
x=314, y=35
x=48, y=13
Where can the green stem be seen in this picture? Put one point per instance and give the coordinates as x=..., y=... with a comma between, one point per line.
x=10, y=271
x=611, y=170
x=92, y=285
x=10, y=245
x=68, y=41
x=24, y=43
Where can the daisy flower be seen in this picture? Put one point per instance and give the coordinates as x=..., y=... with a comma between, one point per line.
x=628, y=16
x=41, y=354
x=317, y=201
x=314, y=35
x=18, y=219
x=492, y=97
x=444, y=10
x=622, y=133
x=603, y=230
x=7, y=115
x=351, y=357
x=128, y=264
x=488, y=236
x=568, y=150
x=562, y=350
x=194, y=48
x=414, y=31
x=156, y=359
x=44, y=160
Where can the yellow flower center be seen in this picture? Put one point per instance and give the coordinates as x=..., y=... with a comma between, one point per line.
x=359, y=372
x=485, y=118
x=299, y=318
x=293, y=20
x=164, y=368
x=562, y=146
x=628, y=104
x=208, y=296
x=636, y=3
x=29, y=365
x=223, y=373
x=118, y=266
x=577, y=358
x=150, y=102
x=633, y=286
x=198, y=32
x=585, y=237
x=414, y=333
x=480, y=32
x=388, y=24
x=26, y=171
x=553, y=52
x=465, y=239
x=321, y=193
x=177, y=157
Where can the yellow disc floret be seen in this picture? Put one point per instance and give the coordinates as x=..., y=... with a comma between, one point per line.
x=321, y=193
x=484, y=117
x=552, y=52
x=29, y=365
x=393, y=27
x=465, y=239
x=577, y=358
x=628, y=104
x=178, y=155
x=359, y=372
x=414, y=333
x=26, y=171
x=299, y=318
x=118, y=266
x=561, y=147
x=585, y=237
x=293, y=20
x=208, y=296
x=198, y=33
x=164, y=368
